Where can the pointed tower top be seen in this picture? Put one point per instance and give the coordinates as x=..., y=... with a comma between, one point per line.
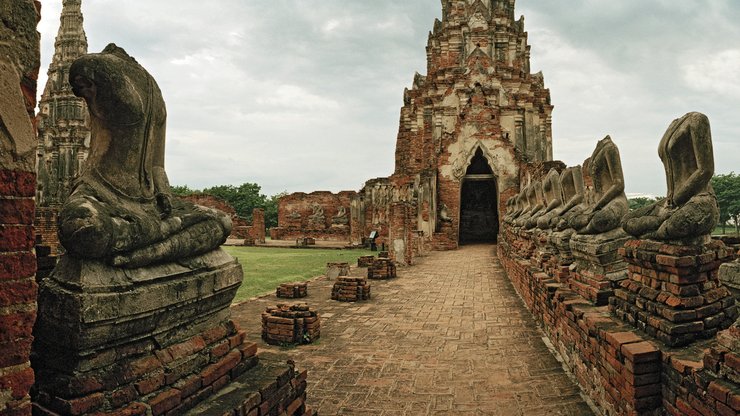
x=71, y=41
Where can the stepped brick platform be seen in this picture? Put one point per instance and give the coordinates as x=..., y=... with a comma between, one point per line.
x=673, y=292
x=382, y=268
x=365, y=261
x=334, y=270
x=274, y=386
x=290, y=324
x=599, y=266
x=292, y=290
x=350, y=289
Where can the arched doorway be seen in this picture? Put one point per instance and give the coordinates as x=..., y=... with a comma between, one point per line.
x=479, y=202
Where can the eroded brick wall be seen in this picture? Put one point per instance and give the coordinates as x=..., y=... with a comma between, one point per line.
x=297, y=216
x=19, y=63
x=241, y=229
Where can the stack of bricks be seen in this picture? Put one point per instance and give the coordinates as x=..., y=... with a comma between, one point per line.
x=139, y=379
x=292, y=290
x=365, y=261
x=673, y=292
x=350, y=289
x=383, y=255
x=382, y=268
x=334, y=270
x=290, y=324
x=599, y=266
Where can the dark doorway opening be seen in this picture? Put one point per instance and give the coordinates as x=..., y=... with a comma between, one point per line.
x=479, y=203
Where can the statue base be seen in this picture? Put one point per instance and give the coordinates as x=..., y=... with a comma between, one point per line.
x=147, y=341
x=673, y=292
x=598, y=266
x=560, y=240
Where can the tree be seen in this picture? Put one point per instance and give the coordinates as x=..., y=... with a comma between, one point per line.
x=727, y=189
x=639, y=202
x=183, y=190
x=271, y=209
x=244, y=198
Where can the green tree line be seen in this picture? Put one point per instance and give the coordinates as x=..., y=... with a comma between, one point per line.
x=726, y=187
x=244, y=198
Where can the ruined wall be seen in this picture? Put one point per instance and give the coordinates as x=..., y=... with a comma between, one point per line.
x=19, y=64
x=321, y=215
x=242, y=229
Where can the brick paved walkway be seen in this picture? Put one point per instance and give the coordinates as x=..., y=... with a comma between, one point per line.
x=447, y=337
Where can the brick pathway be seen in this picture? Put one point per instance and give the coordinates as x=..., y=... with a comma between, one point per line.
x=447, y=337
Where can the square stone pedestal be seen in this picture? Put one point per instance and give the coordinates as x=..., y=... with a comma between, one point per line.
x=563, y=257
x=365, y=261
x=598, y=265
x=290, y=324
x=382, y=268
x=673, y=292
x=350, y=289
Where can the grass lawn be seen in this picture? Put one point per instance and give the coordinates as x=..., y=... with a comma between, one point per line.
x=266, y=268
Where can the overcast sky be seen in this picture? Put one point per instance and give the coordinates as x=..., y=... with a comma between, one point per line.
x=304, y=95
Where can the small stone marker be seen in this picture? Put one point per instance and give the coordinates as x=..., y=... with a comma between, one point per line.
x=365, y=261
x=334, y=270
x=290, y=324
x=292, y=290
x=382, y=269
x=350, y=289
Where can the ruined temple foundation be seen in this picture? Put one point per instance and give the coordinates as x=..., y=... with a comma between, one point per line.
x=152, y=340
x=290, y=324
x=563, y=257
x=350, y=289
x=673, y=292
x=365, y=261
x=599, y=266
x=292, y=290
x=382, y=268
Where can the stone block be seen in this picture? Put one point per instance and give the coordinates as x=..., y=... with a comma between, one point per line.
x=292, y=290
x=350, y=289
x=382, y=268
x=290, y=324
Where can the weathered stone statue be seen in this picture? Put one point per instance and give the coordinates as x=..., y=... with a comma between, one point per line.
x=540, y=206
x=121, y=209
x=690, y=208
x=610, y=203
x=444, y=213
x=571, y=185
x=553, y=196
x=534, y=201
x=341, y=218
x=524, y=206
x=317, y=219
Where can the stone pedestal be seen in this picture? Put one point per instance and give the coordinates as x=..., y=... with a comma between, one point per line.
x=293, y=290
x=350, y=289
x=598, y=265
x=382, y=268
x=673, y=292
x=729, y=275
x=334, y=270
x=564, y=256
x=290, y=324
x=365, y=261
x=544, y=250
x=157, y=338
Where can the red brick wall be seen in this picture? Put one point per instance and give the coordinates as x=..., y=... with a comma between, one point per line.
x=46, y=228
x=19, y=64
x=301, y=203
x=241, y=228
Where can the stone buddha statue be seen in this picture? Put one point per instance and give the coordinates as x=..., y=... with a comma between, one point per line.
x=538, y=196
x=121, y=209
x=610, y=203
x=553, y=197
x=526, y=207
x=690, y=207
x=571, y=185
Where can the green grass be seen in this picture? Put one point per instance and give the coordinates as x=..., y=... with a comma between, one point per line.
x=266, y=268
x=729, y=230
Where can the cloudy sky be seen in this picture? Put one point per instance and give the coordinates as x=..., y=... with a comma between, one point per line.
x=303, y=95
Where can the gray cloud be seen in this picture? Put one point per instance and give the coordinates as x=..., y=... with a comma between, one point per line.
x=303, y=95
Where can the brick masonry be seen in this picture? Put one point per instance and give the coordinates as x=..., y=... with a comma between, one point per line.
x=365, y=261
x=631, y=371
x=290, y=324
x=19, y=65
x=292, y=290
x=350, y=289
x=254, y=233
x=297, y=217
x=381, y=269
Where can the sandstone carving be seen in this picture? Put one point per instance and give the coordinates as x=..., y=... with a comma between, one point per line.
x=554, y=197
x=538, y=198
x=341, y=218
x=444, y=213
x=121, y=209
x=294, y=215
x=316, y=219
x=610, y=203
x=690, y=208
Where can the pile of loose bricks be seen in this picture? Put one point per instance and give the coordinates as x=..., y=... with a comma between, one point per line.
x=293, y=290
x=381, y=269
x=365, y=261
x=673, y=292
x=350, y=289
x=290, y=324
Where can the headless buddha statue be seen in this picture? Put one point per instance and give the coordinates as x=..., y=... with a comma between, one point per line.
x=121, y=210
x=571, y=184
x=528, y=205
x=610, y=203
x=690, y=207
x=540, y=206
x=553, y=198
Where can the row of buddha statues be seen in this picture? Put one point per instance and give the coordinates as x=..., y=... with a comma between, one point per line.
x=591, y=200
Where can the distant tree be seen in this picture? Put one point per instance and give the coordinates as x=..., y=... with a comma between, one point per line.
x=183, y=190
x=244, y=198
x=727, y=188
x=639, y=202
x=271, y=209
